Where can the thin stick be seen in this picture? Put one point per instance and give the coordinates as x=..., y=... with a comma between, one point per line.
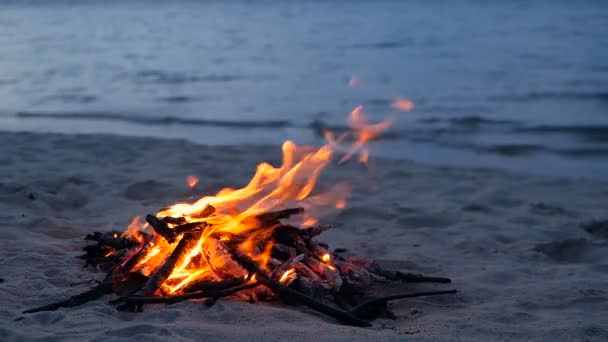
x=98, y=291
x=361, y=309
x=284, y=291
x=205, y=285
x=400, y=276
x=79, y=299
x=199, y=294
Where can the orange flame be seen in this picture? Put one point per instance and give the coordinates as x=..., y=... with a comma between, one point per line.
x=363, y=132
x=292, y=184
x=192, y=181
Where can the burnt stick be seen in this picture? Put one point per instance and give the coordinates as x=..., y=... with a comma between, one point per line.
x=137, y=300
x=371, y=307
x=161, y=228
x=98, y=291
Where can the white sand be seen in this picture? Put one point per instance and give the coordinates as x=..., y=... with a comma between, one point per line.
x=512, y=244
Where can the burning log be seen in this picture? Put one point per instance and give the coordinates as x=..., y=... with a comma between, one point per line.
x=174, y=220
x=162, y=228
x=206, y=212
x=160, y=275
x=273, y=217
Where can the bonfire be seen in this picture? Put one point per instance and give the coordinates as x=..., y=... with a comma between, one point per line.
x=254, y=243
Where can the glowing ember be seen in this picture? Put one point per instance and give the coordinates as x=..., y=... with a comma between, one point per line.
x=287, y=275
x=326, y=257
x=403, y=104
x=354, y=82
x=192, y=181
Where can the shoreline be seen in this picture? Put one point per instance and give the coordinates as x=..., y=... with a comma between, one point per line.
x=513, y=244
x=431, y=154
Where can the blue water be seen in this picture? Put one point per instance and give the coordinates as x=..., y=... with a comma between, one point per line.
x=517, y=85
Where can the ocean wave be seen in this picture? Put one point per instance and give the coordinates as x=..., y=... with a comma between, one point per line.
x=595, y=133
x=164, y=120
x=389, y=44
x=176, y=77
x=468, y=120
x=538, y=96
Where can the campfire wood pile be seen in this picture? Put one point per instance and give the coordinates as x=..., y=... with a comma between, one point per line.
x=253, y=243
x=299, y=270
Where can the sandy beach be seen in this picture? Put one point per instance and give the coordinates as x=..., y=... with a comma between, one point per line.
x=514, y=245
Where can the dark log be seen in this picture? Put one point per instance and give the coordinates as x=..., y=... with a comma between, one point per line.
x=161, y=228
x=174, y=220
x=130, y=284
x=315, y=230
x=286, y=265
x=112, y=239
x=190, y=227
x=128, y=265
x=170, y=234
x=206, y=212
x=273, y=217
x=103, y=256
x=162, y=272
x=290, y=294
x=375, y=306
